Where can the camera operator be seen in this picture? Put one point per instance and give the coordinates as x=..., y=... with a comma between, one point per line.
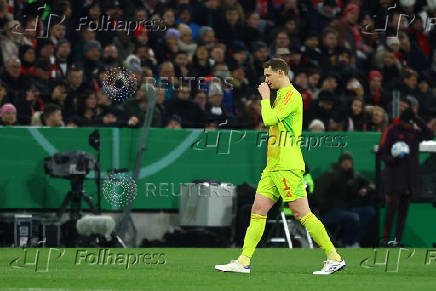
x=401, y=165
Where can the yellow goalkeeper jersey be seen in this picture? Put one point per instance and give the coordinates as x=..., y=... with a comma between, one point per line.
x=285, y=121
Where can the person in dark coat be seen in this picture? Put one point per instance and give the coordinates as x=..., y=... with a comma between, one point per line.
x=345, y=198
x=135, y=111
x=259, y=51
x=323, y=108
x=207, y=14
x=14, y=80
x=401, y=174
x=231, y=28
x=250, y=32
x=356, y=117
x=190, y=112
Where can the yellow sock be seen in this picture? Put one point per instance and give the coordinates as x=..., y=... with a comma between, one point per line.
x=319, y=235
x=253, y=235
x=333, y=255
x=244, y=260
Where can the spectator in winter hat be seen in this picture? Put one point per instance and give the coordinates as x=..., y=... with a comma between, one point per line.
x=170, y=45
x=374, y=94
x=91, y=59
x=393, y=42
x=8, y=115
x=185, y=41
x=214, y=108
x=316, y=126
x=206, y=36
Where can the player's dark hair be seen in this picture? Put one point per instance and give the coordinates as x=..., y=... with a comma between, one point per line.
x=231, y=8
x=50, y=109
x=406, y=74
x=313, y=70
x=389, y=50
x=75, y=68
x=250, y=13
x=277, y=64
x=137, y=47
x=327, y=31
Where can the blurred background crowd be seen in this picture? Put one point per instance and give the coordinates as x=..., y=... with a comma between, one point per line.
x=346, y=57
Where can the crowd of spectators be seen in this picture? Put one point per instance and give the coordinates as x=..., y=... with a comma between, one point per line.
x=206, y=59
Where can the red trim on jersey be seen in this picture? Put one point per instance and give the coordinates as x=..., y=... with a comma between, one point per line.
x=385, y=134
x=287, y=97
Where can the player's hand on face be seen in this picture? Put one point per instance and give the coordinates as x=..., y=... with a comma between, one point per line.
x=264, y=90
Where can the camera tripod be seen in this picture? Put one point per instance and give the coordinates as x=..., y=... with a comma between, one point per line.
x=74, y=198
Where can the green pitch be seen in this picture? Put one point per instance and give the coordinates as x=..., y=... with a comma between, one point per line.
x=192, y=269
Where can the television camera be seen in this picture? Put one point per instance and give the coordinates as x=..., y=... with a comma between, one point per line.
x=74, y=166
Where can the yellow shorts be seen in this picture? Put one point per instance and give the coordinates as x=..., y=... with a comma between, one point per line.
x=287, y=184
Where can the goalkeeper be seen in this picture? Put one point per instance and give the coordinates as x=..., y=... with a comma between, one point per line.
x=401, y=173
x=283, y=175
